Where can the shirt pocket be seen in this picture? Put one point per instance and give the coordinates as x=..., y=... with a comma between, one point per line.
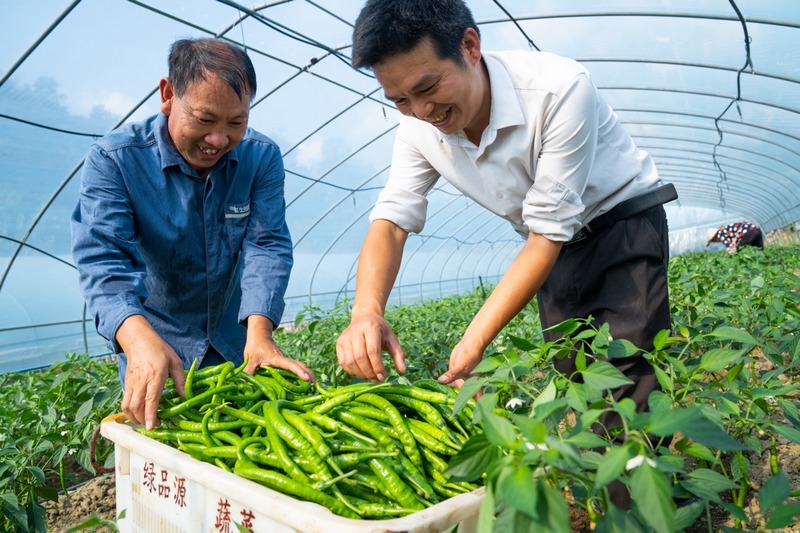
x=236, y=218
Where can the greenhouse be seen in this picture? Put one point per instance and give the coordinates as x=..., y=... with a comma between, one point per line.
x=709, y=89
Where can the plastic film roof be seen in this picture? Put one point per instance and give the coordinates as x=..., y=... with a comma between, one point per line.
x=708, y=87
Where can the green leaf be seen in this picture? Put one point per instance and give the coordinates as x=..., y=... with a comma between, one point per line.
x=567, y=327
x=695, y=449
x=612, y=465
x=473, y=459
x=545, y=410
x=10, y=499
x=46, y=493
x=486, y=516
x=661, y=339
x=38, y=473
x=706, y=431
x=790, y=433
x=790, y=411
x=84, y=410
x=551, y=510
x=718, y=358
x=519, y=490
x=497, y=429
x=774, y=491
x=783, y=516
x=531, y=428
x=763, y=392
x=619, y=348
x=587, y=439
x=547, y=394
x=467, y=391
x=576, y=397
x=707, y=484
x=521, y=344
x=735, y=511
x=488, y=365
x=556, y=511
x=93, y=522
x=734, y=334
x=651, y=492
x=687, y=515
x=615, y=520
x=602, y=375
x=667, y=423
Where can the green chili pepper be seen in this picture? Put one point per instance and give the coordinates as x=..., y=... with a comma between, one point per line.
x=426, y=411
x=773, y=457
x=398, y=422
x=286, y=485
x=365, y=425
x=421, y=394
x=427, y=440
x=197, y=400
x=188, y=386
x=296, y=385
x=401, y=492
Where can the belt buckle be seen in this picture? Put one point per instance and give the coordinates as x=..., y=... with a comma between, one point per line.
x=578, y=237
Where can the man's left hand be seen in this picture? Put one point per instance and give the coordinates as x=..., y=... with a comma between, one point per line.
x=463, y=360
x=268, y=353
x=261, y=350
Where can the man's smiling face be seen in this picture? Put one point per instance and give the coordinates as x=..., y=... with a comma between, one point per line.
x=442, y=92
x=206, y=122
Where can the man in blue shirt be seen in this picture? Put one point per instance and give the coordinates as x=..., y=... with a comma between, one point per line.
x=180, y=235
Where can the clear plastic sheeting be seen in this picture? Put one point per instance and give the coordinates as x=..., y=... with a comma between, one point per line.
x=709, y=88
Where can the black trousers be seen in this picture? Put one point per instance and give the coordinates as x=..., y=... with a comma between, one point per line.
x=617, y=275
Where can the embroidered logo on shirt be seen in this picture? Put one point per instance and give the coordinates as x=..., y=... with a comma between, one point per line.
x=237, y=211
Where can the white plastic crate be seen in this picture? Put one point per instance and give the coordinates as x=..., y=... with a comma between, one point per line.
x=163, y=490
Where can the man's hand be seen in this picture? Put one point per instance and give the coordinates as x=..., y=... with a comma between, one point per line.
x=516, y=288
x=360, y=347
x=261, y=350
x=463, y=360
x=150, y=362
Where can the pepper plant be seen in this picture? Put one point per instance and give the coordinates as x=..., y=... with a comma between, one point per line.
x=727, y=393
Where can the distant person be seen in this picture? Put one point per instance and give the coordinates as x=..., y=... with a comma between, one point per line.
x=736, y=235
x=179, y=235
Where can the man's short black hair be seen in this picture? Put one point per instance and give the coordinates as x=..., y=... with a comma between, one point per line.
x=388, y=27
x=190, y=60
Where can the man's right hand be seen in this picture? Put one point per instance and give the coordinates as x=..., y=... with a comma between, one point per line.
x=360, y=348
x=150, y=362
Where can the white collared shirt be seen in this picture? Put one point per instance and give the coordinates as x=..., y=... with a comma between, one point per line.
x=553, y=156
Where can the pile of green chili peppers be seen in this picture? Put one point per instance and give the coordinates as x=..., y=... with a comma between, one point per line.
x=365, y=450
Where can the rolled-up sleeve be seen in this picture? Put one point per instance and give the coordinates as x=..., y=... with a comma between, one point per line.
x=267, y=247
x=104, y=247
x=553, y=206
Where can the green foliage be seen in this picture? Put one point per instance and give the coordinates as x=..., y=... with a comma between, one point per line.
x=728, y=375
x=47, y=420
x=728, y=372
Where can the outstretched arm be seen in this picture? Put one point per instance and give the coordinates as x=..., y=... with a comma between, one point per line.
x=519, y=284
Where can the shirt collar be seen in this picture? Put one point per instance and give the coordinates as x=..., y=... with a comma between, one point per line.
x=506, y=110
x=170, y=156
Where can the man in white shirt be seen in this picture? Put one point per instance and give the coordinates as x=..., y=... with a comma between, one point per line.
x=527, y=136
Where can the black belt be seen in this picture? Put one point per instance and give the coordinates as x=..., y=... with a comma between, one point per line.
x=625, y=209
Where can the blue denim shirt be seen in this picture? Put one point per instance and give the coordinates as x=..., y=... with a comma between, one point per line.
x=195, y=256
